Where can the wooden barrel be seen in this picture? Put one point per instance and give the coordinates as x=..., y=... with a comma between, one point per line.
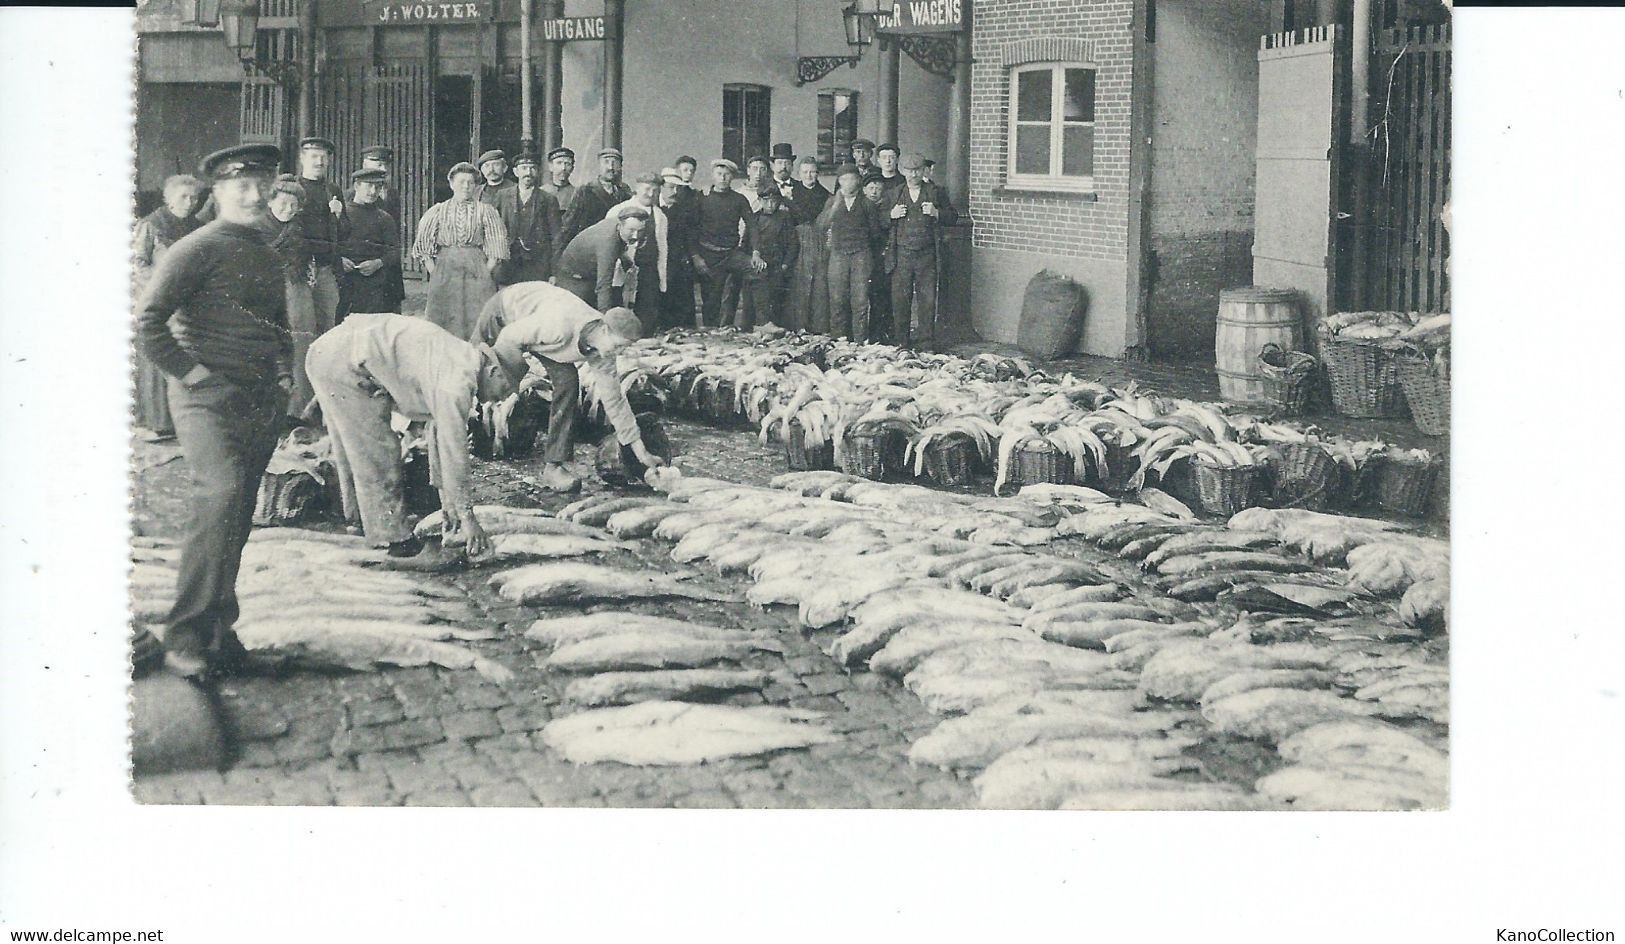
x=1250, y=318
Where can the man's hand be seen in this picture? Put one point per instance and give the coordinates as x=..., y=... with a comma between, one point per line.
x=899, y=211
x=701, y=267
x=347, y=264
x=195, y=376
x=335, y=206
x=286, y=383
x=370, y=266
x=757, y=264
x=649, y=459
x=479, y=544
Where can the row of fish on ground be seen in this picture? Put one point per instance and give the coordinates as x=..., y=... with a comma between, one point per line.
x=1065, y=684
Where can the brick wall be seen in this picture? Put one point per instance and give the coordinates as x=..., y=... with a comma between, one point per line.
x=1064, y=225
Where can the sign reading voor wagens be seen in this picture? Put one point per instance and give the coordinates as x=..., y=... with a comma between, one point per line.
x=924, y=16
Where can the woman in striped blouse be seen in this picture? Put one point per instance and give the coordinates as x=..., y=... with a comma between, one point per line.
x=460, y=241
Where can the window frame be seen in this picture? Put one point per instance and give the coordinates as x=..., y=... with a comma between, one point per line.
x=1055, y=180
x=745, y=90
x=836, y=145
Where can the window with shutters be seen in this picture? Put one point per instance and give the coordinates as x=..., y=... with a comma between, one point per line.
x=837, y=127
x=746, y=122
x=1052, y=127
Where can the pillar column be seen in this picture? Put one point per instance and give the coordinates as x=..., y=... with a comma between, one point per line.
x=527, y=113
x=552, y=83
x=307, y=70
x=614, y=19
x=957, y=158
x=889, y=65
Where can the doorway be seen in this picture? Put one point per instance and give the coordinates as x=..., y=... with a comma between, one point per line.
x=453, y=128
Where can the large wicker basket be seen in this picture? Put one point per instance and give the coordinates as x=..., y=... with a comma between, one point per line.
x=1305, y=476
x=1120, y=466
x=685, y=396
x=287, y=497
x=802, y=456
x=950, y=460
x=1288, y=379
x=1427, y=394
x=872, y=452
x=1403, y=486
x=1364, y=379
x=1038, y=462
x=1224, y=490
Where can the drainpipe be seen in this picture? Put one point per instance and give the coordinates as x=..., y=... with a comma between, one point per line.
x=1360, y=75
x=890, y=59
x=552, y=83
x=957, y=157
x=614, y=17
x=307, y=68
x=527, y=117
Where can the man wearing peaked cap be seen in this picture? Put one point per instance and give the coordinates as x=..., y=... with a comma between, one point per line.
x=724, y=230
x=371, y=257
x=380, y=157
x=863, y=151
x=561, y=163
x=229, y=362
x=493, y=167
x=915, y=213
x=592, y=201
x=532, y=218
x=313, y=306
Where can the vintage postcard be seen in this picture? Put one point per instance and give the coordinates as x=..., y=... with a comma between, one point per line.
x=950, y=404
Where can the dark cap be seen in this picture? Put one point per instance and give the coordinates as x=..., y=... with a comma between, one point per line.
x=769, y=189
x=379, y=152
x=755, y=159
x=561, y=152
x=888, y=147
x=240, y=161
x=527, y=157
x=371, y=175
x=611, y=152
x=325, y=144
x=864, y=143
x=874, y=177
x=492, y=155
x=783, y=152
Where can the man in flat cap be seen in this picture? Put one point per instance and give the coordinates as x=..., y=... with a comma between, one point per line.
x=533, y=221
x=324, y=227
x=601, y=263
x=372, y=253
x=863, y=151
x=493, y=167
x=724, y=244
x=594, y=200
x=228, y=358
x=380, y=157
x=374, y=365
x=561, y=163
x=573, y=342
x=848, y=225
x=916, y=213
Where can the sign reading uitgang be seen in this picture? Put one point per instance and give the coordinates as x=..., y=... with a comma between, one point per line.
x=924, y=16
x=567, y=28
x=432, y=12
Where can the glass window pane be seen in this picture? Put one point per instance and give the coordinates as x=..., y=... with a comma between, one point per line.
x=1032, y=149
x=1033, y=96
x=1080, y=95
x=1077, y=150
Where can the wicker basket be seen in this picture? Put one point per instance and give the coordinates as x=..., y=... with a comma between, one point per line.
x=949, y=460
x=1306, y=476
x=286, y=498
x=872, y=452
x=1038, y=462
x=800, y=457
x=1364, y=379
x=1403, y=486
x=685, y=398
x=1224, y=490
x=1288, y=378
x=1427, y=394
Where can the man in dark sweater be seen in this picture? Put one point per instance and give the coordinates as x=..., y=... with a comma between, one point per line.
x=724, y=228
x=593, y=201
x=372, y=255
x=532, y=218
x=850, y=223
x=324, y=227
x=807, y=306
x=916, y=212
x=230, y=373
x=677, y=200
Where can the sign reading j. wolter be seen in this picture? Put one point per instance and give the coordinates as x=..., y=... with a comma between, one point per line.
x=924, y=16
x=435, y=12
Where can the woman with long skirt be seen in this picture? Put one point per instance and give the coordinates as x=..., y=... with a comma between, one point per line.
x=154, y=234
x=461, y=241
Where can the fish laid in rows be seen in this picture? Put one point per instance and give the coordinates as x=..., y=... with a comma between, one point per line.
x=1166, y=795
x=1208, y=586
x=641, y=649
x=981, y=736
x=1130, y=531
x=1426, y=604
x=598, y=515
x=1037, y=594
x=948, y=565
x=1205, y=541
x=274, y=535
x=1365, y=743
x=641, y=522
x=278, y=553
x=1138, y=548
x=1183, y=670
x=1326, y=538
x=834, y=601
x=1289, y=598
x=570, y=581
x=1250, y=679
x=811, y=483
x=679, y=526
x=743, y=554
x=672, y=732
x=1187, y=565
x=1045, y=492
x=1043, y=775
x=706, y=539
x=1274, y=714
x=686, y=487
x=1082, y=612
x=495, y=524
x=357, y=584
x=519, y=546
x=568, y=629
x=1016, y=534
x=1092, y=634
x=911, y=645
x=258, y=630
x=1133, y=658
x=813, y=515
x=882, y=616
x=1078, y=596
x=1004, y=581
x=304, y=606
x=1353, y=788
x=1410, y=695
x=625, y=688
x=966, y=677
x=1092, y=525
x=362, y=645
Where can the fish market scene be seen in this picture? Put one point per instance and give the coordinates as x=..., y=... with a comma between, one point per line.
x=928, y=433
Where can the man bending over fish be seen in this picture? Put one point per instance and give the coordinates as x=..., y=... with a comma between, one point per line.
x=375, y=364
x=567, y=336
